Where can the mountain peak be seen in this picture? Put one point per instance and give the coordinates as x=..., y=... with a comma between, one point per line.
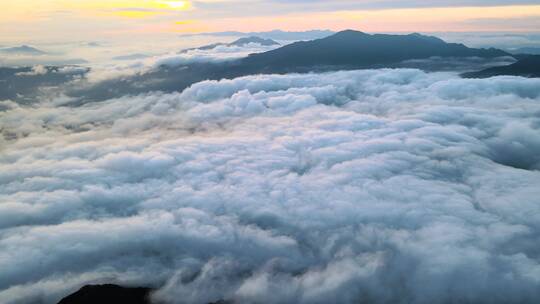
x=254, y=39
x=349, y=33
x=427, y=38
x=239, y=42
x=23, y=50
x=355, y=49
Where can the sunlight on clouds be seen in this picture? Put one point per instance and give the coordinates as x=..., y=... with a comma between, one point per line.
x=136, y=4
x=135, y=14
x=31, y=9
x=176, y=4
x=142, y=9
x=182, y=26
x=184, y=22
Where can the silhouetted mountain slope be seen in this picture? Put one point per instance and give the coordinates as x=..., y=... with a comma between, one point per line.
x=240, y=42
x=527, y=67
x=112, y=294
x=22, y=50
x=105, y=294
x=353, y=49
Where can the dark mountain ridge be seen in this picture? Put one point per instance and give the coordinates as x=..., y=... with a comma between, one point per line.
x=105, y=294
x=353, y=49
x=112, y=294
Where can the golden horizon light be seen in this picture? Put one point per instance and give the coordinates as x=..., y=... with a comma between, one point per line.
x=27, y=19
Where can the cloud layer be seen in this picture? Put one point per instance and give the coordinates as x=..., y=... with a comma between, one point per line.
x=378, y=186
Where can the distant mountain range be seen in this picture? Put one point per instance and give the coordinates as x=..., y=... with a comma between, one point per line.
x=342, y=51
x=240, y=43
x=353, y=49
x=275, y=35
x=22, y=50
x=527, y=67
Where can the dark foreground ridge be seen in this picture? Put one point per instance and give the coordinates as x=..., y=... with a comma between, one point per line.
x=526, y=67
x=112, y=294
x=108, y=294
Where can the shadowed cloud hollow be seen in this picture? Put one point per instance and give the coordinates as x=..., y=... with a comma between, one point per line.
x=374, y=186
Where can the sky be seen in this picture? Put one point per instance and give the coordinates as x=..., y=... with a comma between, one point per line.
x=69, y=20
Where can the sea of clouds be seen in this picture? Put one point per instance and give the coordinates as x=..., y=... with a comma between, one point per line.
x=375, y=186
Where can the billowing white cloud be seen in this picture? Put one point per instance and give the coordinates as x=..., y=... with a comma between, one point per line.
x=383, y=186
